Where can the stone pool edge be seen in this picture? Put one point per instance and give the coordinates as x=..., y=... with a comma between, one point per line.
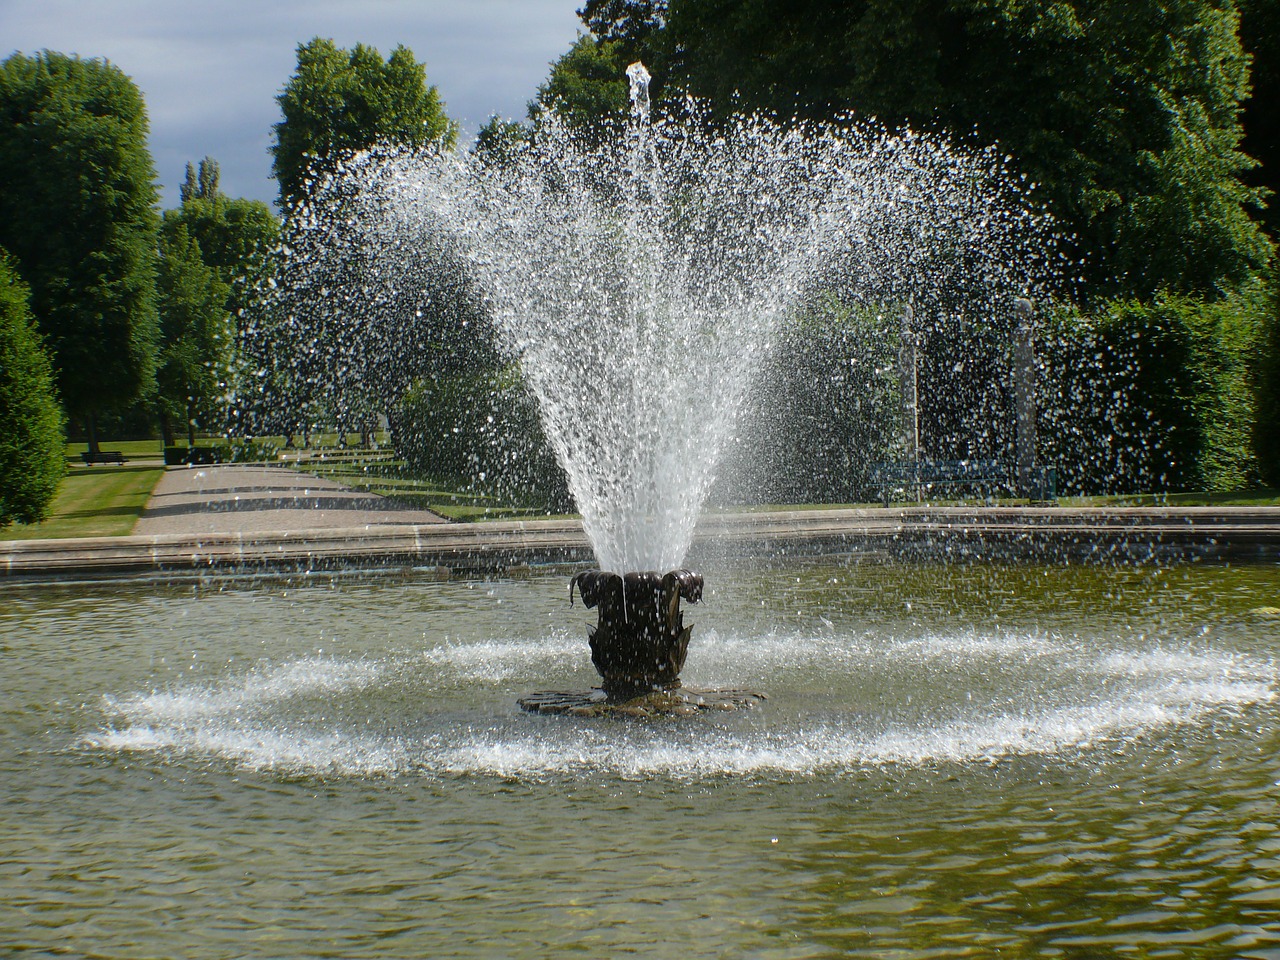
x=1067, y=533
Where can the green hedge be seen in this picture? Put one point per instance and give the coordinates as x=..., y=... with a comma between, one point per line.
x=1156, y=397
x=825, y=406
x=32, y=440
x=236, y=451
x=1266, y=380
x=480, y=432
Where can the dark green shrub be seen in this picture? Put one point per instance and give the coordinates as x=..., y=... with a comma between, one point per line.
x=1153, y=397
x=1117, y=411
x=234, y=451
x=252, y=451
x=1229, y=337
x=32, y=439
x=824, y=408
x=176, y=456
x=482, y=432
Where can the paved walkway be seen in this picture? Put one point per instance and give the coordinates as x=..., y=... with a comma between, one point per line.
x=241, y=517
x=235, y=499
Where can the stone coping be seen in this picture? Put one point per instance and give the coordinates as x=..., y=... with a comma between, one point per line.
x=1083, y=533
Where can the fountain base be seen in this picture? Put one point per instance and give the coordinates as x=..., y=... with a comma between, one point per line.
x=682, y=702
x=640, y=641
x=638, y=647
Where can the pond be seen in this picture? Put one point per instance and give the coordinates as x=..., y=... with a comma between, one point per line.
x=953, y=760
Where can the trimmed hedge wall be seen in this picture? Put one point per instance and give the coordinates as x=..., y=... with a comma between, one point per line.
x=32, y=441
x=240, y=451
x=480, y=432
x=1162, y=396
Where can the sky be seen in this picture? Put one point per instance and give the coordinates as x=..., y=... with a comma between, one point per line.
x=210, y=71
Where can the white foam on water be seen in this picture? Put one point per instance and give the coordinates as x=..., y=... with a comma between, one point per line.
x=256, y=747
x=832, y=747
x=494, y=661
x=778, y=648
x=1188, y=664
x=976, y=645
x=306, y=677
x=247, y=720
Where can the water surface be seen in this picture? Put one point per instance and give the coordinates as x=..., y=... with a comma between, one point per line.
x=967, y=760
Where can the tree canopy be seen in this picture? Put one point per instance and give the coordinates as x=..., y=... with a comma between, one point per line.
x=197, y=335
x=218, y=254
x=1126, y=115
x=341, y=101
x=77, y=212
x=588, y=83
x=236, y=236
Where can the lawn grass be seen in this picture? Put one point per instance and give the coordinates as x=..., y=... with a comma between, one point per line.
x=1242, y=498
x=98, y=501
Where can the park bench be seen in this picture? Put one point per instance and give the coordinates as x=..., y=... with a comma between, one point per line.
x=982, y=475
x=102, y=456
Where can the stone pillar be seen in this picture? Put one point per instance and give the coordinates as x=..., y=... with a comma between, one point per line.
x=1024, y=395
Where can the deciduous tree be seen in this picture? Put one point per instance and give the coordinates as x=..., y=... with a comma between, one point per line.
x=237, y=237
x=341, y=101
x=1125, y=113
x=77, y=211
x=197, y=335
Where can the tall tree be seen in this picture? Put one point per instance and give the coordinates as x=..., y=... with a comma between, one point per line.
x=32, y=445
x=235, y=238
x=1260, y=35
x=588, y=83
x=1126, y=114
x=636, y=25
x=197, y=335
x=498, y=141
x=77, y=212
x=341, y=101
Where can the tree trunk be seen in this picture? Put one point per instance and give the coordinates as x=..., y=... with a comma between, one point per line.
x=91, y=428
x=166, y=428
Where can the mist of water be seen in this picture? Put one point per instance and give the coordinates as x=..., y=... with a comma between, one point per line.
x=641, y=275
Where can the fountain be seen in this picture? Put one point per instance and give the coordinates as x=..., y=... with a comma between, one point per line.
x=638, y=280
x=1042, y=758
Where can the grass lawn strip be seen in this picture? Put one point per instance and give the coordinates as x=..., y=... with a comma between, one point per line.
x=103, y=501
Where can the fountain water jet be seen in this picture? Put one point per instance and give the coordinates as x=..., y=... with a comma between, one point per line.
x=639, y=279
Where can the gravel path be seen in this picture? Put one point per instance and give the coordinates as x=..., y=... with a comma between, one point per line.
x=241, y=499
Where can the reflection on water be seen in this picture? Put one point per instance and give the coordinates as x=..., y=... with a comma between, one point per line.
x=1031, y=761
